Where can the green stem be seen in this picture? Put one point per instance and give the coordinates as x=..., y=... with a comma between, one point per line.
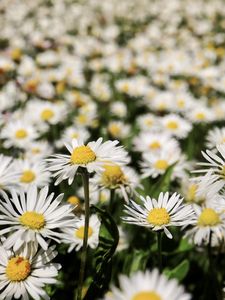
x=112, y=198
x=85, y=180
x=159, y=241
x=214, y=286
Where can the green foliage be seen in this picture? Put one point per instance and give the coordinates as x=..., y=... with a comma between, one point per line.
x=108, y=240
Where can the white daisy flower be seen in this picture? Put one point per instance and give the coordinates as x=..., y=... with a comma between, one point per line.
x=148, y=122
x=38, y=150
x=213, y=170
x=33, y=217
x=210, y=219
x=9, y=177
x=147, y=286
x=91, y=156
x=116, y=177
x=74, y=237
x=24, y=273
x=40, y=112
x=215, y=136
x=154, y=142
x=73, y=132
x=159, y=214
x=200, y=114
x=157, y=164
x=32, y=173
x=175, y=125
x=118, y=129
x=18, y=134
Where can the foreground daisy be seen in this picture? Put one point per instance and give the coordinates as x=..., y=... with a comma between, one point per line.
x=75, y=237
x=24, y=273
x=33, y=217
x=159, y=214
x=210, y=222
x=91, y=156
x=147, y=286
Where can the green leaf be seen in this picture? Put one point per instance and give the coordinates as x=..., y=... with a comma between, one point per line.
x=179, y=272
x=108, y=241
x=184, y=246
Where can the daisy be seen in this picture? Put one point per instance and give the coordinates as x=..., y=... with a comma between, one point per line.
x=148, y=122
x=175, y=125
x=115, y=177
x=147, y=285
x=46, y=112
x=18, y=134
x=9, y=177
x=210, y=219
x=38, y=150
x=118, y=129
x=91, y=156
x=75, y=237
x=154, y=142
x=24, y=273
x=159, y=214
x=213, y=169
x=73, y=132
x=157, y=164
x=215, y=136
x=32, y=173
x=33, y=217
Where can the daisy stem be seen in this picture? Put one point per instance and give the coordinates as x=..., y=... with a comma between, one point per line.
x=159, y=241
x=111, y=203
x=85, y=180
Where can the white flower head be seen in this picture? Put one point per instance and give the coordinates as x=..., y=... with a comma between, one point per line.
x=91, y=156
x=159, y=214
x=33, y=217
x=210, y=220
x=74, y=237
x=25, y=272
x=147, y=285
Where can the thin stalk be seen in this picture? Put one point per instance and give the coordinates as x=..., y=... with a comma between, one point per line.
x=112, y=198
x=85, y=180
x=159, y=241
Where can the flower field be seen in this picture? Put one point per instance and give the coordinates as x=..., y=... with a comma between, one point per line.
x=112, y=150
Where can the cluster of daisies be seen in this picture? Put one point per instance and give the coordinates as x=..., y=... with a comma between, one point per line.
x=131, y=94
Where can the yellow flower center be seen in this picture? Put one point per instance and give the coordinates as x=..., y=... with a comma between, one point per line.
x=80, y=232
x=154, y=145
x=146, y=296
x=149, y=122
x=113, y=176
x=208, y=217
x=172, y=125
x=47, y=114
x=180, y=103
x=82, y=155
x=200, y=116
x=32, y=220
x=73, y=200
x=18, y=269
x=35, y=150
x=21, y=134
x=191, y=192
x=82, y=119
x=27, y=176
x=161, y=164
x=75, y=135
x=114, y=130
x=158, y=216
